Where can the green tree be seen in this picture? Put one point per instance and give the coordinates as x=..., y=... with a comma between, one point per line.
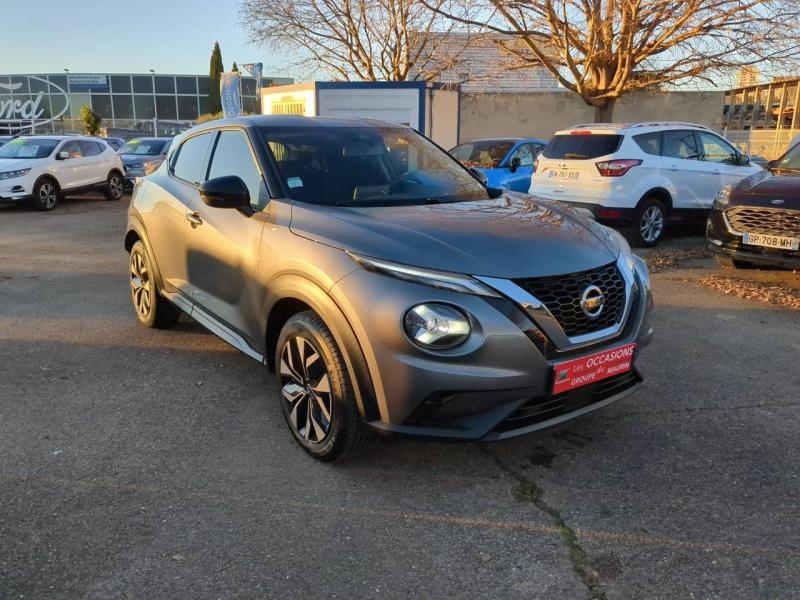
x=91, y=120
x=215, y=71
x=235, y=67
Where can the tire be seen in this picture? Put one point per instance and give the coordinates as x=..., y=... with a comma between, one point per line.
x=315, y=391
x=726, y=262
x=115, y=186
x=46, y=194
x=650, y=224
x=152, y=309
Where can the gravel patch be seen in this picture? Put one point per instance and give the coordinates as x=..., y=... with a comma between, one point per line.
x=667, y=258
x=778, y=295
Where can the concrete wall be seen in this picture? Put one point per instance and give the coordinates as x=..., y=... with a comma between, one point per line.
x=543, y=113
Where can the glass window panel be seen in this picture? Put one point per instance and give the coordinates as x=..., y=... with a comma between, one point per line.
x=165, y=85
x=101, y=104
x=123, y=106
x=188, y=163
x=59, y=80
x=120, y=84
x=203, y=83
x=186, y=85
x=39, y=86
x=232, y=156
x=23, y=83
x=203, y=105
x=165, y=107
x=76, y=101
x=250, y=105
x=248, y=86
x=187, y=108
x=143, y=84
x=145, y=108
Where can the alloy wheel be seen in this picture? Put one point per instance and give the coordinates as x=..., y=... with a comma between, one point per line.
x=651, y=224
x=115, y=187
x=47, y=195
x=141, y=285
x=306, y=389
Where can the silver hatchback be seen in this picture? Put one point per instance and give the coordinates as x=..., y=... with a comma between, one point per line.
x=388, y=289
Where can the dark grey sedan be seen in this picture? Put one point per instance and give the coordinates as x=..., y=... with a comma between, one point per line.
x=142, y=156
x=386, y=287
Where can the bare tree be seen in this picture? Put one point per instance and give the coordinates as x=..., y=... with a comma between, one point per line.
x=603, y=49
x=367, y=40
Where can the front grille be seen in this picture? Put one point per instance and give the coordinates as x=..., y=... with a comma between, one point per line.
x=769, y=221
x=545, y=408
x=562, y=297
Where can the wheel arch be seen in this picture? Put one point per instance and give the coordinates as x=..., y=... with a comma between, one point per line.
x=661, y=193
x=292, y=294
x=136, y=232
x=49, y=177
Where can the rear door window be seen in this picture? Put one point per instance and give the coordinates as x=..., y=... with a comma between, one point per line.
x=90, y=148
x=188, y=163
x=582, y=146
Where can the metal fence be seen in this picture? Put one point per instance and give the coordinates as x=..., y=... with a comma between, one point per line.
x=769, y=144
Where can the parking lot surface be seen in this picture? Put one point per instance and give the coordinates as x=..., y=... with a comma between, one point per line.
x=153, y=464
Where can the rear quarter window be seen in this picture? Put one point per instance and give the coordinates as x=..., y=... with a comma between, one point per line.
x=649, y=142
x=582, y=147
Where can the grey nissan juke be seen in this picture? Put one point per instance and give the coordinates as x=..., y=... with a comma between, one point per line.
x=387, y=288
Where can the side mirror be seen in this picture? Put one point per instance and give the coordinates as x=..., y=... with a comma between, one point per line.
x=514, y=164
x=63, y=155
x=225, y=192
x=744, y=160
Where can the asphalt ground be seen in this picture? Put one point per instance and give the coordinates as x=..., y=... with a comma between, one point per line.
x=154, y=464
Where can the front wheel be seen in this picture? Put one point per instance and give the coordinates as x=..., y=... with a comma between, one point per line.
x=651, y=222
x=115, y=186
x=46, y=194
x=315, y=390
x=152, y=309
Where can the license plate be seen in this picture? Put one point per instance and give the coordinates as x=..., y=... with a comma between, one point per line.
x=575, y=373
x=771, y=241
x=563, y=174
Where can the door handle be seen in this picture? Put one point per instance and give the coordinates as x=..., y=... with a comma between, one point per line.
x=194, y=218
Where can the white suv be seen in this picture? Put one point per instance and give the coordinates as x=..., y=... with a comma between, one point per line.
x=41, y=169
x=639, y=175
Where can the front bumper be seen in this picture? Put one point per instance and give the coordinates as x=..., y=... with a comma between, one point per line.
x=11, y=190
x=495, y=386
x=725, y=242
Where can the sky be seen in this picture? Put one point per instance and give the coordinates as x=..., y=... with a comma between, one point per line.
x=131, y=36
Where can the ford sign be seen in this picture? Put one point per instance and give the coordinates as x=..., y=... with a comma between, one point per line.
x=22, y=113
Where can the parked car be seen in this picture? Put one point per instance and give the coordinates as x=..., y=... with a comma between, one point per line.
x=639, y=176
x=506, y=163
x=44, y=169
x=142, y=156
x=387, y=288
x=115, y=142
x=757, y=222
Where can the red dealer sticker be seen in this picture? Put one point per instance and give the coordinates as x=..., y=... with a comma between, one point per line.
x=582, y=371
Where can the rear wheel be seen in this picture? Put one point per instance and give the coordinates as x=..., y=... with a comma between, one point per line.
x=316, y=393
x=115, y=186
x=46, y=194
x=152, y=309
x=651, y=222
x=726, y=262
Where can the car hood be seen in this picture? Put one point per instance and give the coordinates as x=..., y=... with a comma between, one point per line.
x=512, y=236
x=762, y=188
x=15, y=164
x=138, y=158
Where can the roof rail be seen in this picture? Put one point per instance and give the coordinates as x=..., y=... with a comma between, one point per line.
x=668, y=123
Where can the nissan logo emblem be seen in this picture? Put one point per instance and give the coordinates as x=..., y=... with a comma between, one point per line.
x=592, y=301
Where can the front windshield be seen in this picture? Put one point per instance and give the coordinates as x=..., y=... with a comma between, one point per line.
x=367, y=166
x=485, y=154
x=28, y=148
x=790, y=161
x=143, y=147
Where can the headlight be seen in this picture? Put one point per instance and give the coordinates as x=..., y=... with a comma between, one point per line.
x=12, y=174
x=723, y=197
x=439, y=279
x=436, y=326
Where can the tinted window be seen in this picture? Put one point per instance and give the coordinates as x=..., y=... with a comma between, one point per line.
x=165, y=85
x=483, y=153
x=73, y=147
x=232, y=156
x=680, y=144
x=526, y=154
x=717, y=150
x=791, y=160
x=91, y=148
x=143, y=84
x=143, y=147
x=186, y=85
x=187, y=107
x=28, y=148
x=367, y=166
x=120, y=84
x=101, y=104
x=145, y=109
x=649, y=142
x=188, y=163
x=582, y=147
x=123, y=106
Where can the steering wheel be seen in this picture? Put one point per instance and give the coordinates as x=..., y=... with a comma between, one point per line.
x=404, y=179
